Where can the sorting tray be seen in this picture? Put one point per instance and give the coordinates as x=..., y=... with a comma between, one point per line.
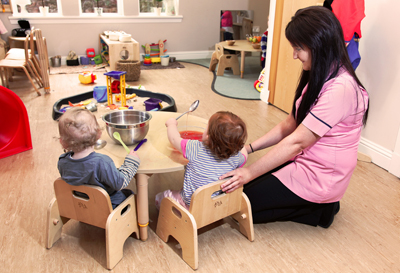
x=89, y=95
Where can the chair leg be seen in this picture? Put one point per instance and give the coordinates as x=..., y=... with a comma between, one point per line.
x=213, y=62
x=30, y=79
x=54, y=224
x=245, y=218
x=176, y=221
x=118, y=228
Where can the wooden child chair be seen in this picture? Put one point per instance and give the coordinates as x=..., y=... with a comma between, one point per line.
x=224, y=61
x=94, y=210
x=176, y=221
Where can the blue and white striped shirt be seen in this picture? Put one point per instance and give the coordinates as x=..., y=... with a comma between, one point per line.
x=203, y=168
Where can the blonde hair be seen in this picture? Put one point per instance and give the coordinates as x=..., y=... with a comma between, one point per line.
x=78, y=129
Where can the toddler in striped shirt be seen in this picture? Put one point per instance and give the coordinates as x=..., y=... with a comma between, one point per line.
x=220, y=151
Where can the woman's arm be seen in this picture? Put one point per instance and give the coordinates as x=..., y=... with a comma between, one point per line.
x=279, y=132
x=173, y=134
x=285, y=150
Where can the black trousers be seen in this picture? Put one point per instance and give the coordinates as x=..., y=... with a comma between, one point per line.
x=272, y=201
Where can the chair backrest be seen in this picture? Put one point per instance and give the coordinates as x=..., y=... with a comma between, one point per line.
x=247, y=26
x=219, y=49
x=207, y=209
x=93, y=209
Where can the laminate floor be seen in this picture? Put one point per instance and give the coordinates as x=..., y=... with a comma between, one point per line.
x=365, y=236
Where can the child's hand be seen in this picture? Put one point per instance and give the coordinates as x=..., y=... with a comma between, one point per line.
x=171, y=121
x=132, y=152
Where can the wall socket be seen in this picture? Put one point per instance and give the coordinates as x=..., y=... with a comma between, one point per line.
x=256, y=28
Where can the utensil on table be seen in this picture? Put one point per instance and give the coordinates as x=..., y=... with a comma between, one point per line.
x=100, y=143
x=191, y=109
x=140, y=144
x=118, y=137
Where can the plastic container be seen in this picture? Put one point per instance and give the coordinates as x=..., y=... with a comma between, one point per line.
x=85, y=60
x=153, y=104
x=100, y=93
x=165, y=60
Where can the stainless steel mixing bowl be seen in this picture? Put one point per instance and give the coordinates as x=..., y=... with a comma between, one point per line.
x=132, y=125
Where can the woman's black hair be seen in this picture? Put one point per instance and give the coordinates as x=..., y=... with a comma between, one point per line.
x=318, y=29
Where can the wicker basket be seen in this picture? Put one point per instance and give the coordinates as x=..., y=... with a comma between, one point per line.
x=132, y=69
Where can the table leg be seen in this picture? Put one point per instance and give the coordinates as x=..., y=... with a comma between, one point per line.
x=142, y=181
x=242, y=63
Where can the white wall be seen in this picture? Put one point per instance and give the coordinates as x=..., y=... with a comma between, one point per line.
x=198, y=31
x=379, y=71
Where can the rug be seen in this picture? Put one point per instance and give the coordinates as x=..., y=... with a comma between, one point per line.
x=64, y=69
x=232, y=86
x=173, y=65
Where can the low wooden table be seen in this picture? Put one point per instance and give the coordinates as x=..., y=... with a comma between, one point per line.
x=243, y=46
x=156, y=156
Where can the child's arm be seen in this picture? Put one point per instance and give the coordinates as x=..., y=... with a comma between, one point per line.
x=129, y=168
x=174, y=136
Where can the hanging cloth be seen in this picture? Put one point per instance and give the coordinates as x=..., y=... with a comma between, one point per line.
x=350, y=13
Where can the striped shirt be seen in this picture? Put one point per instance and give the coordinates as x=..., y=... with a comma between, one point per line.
x=203, y=168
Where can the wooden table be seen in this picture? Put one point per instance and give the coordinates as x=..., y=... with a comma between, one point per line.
x=156, y=156
x=243, y=46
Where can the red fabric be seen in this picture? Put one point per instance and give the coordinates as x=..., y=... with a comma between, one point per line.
x=226, y=20
x=350, y=13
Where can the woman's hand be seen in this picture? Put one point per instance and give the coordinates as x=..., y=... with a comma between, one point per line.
x=239, y=177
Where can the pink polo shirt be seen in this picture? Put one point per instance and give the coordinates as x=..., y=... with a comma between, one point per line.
x=322, y=172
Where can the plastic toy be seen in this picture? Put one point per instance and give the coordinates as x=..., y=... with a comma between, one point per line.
x=90, y=53
x=98, y=59
x=153, y=104
x=259, y=84
x=147, y=60
x=15, y=134
x=118, y=75
x=87, y=77
x=100, y=93
x=115, y=87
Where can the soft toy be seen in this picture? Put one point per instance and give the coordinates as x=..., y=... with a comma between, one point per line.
x=87, y=77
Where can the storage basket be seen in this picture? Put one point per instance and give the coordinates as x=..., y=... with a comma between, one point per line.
x=132, y=69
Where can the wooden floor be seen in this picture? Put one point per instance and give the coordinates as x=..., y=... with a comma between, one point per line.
x=365, y=236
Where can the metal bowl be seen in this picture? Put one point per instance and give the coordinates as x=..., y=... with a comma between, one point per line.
x=132, y=125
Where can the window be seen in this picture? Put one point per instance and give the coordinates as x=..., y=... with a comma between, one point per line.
x=110, y=7
x=169, y=7
x=32, y=6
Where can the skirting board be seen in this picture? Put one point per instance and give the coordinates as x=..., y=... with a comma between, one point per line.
x=381, y=156
x=186, y=55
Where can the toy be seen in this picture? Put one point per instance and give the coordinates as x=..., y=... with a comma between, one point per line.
x=15, y=134
x=147, y=60
x=100, y=93
x=118, y=75
x=259, y=84
x=115, y=87
x=87, y=77
x=160, y=50
x=90, y=52
x=98, y=59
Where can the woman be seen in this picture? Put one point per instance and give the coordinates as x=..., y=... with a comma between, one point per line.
x=303, y=177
